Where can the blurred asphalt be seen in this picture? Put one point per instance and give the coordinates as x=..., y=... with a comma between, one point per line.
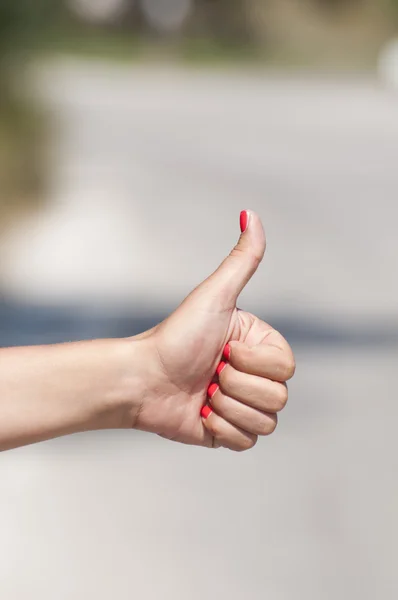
x=151, y=172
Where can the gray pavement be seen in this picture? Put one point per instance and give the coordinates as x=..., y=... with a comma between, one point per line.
x=151, y=169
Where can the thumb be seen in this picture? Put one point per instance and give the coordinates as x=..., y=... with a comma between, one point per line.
x=239, y=267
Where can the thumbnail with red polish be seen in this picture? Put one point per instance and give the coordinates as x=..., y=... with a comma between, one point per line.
x=244, y=219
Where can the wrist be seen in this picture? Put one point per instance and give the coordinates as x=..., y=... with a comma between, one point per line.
x=123, y=363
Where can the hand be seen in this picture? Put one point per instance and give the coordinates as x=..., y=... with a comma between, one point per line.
x=191, y=396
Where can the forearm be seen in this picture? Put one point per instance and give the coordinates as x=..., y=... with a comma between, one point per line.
x=49, y=391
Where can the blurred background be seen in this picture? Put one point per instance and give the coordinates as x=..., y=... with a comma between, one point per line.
x=132, y=132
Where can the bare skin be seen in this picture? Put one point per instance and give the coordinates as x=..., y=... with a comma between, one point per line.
x=158, y=381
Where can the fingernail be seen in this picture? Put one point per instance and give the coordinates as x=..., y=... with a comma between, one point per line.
x=227, y=352
x=221, y=367
x=206, y=412
x=213, y=388
x=244, y=220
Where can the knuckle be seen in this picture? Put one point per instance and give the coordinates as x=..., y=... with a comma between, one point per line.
x=246, y=443
x=289, y=367
x=268, y=425
x=256, y=257
x=247, y=253
x=281, y=397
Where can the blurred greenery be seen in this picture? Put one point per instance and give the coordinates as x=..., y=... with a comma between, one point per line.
x=217, y=31
x=22, y=168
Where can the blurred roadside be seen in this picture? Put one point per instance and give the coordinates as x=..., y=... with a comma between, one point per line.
x=94, y=149
x=143, y=155
x=320, y=35
x=131, y=135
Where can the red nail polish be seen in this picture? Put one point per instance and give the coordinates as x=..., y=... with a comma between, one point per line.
x=221, y=367
x=244, y=219
x=206, y=412
x=213, y=388
x=227, y=352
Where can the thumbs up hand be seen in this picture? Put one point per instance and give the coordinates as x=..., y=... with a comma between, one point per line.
x=216, y=375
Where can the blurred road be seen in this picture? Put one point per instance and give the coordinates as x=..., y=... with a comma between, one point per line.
x=153, y=163
x=150, y=173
